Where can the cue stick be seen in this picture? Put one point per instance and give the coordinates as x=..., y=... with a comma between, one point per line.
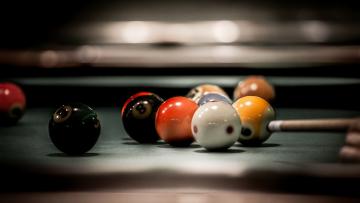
x=336, y=124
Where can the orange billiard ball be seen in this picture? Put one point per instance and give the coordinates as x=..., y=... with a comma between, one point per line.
x=173, y=121
x=255, y=115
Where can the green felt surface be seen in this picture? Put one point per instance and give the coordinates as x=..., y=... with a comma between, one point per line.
x=115, y=151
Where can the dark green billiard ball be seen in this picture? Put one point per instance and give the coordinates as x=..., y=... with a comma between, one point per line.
x=74, y=128
x=138, y=116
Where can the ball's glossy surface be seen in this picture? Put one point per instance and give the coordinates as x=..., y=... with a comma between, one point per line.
x=199, y=91
x=213, y=97
x=12, y=103
x=255, y=115
x=216, y=126
x=255, y=86
x=74, y=128
x=173, y=121
x=138, y=116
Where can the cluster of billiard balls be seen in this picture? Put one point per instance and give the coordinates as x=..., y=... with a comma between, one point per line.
x=205, y=115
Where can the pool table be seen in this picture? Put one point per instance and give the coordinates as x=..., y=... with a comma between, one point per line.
x=289, y=167
x=102, y=52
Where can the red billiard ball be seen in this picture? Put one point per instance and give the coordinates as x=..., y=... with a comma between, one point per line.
x=12, y=103
x=173, y=121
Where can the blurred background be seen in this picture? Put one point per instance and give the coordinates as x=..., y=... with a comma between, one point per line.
x=255, y=36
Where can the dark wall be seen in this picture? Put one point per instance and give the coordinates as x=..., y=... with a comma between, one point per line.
x=33, y=23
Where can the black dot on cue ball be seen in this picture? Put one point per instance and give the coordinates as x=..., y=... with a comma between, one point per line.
x=195, y=129
x=229, y=129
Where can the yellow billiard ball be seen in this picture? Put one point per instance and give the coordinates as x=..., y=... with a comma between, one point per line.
x=255, y=114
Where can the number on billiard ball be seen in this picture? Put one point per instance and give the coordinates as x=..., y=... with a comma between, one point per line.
x=74, y=128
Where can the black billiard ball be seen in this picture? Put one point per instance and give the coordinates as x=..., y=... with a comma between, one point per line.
x=74, y=128
x=138, y=116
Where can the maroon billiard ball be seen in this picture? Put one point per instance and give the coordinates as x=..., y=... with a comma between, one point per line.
x=138, y=116
x=12, y=103
x=255, y=86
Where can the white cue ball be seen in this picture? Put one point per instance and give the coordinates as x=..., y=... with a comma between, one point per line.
x=216, y=126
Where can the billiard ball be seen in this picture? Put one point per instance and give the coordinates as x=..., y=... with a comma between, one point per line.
x=212, y=97
x=216, y=126
x=12, y=103
x=74, y=128
x=255, y=114
x=173, y=121
x=138, y=116
x=255, y=86
x=196, y=93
